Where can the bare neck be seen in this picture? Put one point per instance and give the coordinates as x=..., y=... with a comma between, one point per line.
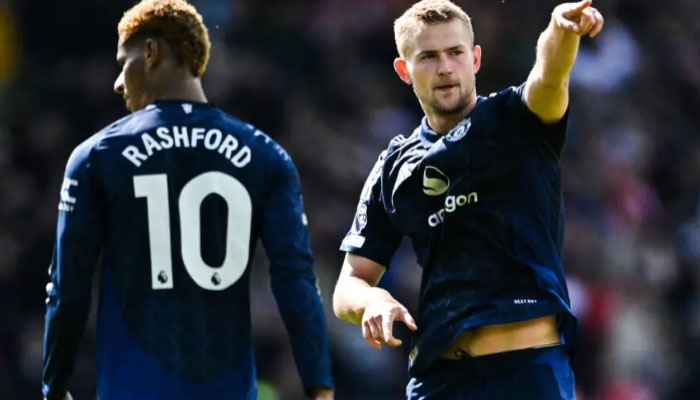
x=442, y=123
x=182, y=86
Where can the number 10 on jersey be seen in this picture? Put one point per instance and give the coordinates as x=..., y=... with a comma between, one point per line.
x=155, y=189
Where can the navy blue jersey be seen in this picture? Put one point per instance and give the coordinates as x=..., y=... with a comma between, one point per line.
x=175, y=198
x=483, y=207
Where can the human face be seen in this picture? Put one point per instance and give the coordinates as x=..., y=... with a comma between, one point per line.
x=441, y=64
x=133, y=83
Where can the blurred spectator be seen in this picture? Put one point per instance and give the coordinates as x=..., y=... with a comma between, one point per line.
x=9, y=44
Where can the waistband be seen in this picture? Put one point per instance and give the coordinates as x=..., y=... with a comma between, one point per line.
x=504, y=361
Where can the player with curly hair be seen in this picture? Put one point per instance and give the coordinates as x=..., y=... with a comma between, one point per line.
x=175, y=197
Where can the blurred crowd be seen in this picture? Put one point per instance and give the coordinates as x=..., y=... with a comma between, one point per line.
x=316, y=75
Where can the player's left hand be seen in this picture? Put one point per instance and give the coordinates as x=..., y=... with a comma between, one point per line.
x=579, y=18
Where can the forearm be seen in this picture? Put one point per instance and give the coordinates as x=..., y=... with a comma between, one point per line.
x=547, y=89
x=556, y=54
x=351, y=297
x=64, y=326
x=302, y=311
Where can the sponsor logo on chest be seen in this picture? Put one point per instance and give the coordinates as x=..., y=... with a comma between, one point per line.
x=452, y=203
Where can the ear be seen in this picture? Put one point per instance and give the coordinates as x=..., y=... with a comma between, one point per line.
x=477, y=58
x=402, y=70
x=151, y=53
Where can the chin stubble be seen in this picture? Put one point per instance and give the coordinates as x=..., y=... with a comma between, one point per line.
x=462, y=103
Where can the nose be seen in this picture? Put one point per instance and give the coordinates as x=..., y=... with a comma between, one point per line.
x=119, y=84
x=445, y=65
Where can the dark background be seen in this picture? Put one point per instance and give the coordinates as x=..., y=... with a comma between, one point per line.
x=316, y=75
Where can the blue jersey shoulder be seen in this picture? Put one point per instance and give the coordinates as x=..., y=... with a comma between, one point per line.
x=157, y=127
x=267, y=140
x=509, y=97
x=263, y=142
x=400, y=142
x=81, y=155
x=127, y=123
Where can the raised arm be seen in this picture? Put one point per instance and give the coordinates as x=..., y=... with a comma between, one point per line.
x=357, y=300
x=547, y=89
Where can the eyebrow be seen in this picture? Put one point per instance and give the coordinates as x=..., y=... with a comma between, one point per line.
x=456, y=47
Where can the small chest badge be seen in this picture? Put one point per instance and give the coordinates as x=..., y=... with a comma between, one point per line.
x=459, y=131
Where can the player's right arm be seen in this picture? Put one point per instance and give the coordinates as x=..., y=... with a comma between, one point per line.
x=357, y=300
x=370, y=244
x=78, y=245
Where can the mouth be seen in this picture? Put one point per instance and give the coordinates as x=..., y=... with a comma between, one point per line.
x=446, y=87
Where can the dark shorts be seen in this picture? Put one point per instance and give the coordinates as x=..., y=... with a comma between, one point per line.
x=537, y=374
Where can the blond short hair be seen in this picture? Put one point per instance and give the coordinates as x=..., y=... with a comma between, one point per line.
x=427, y=12
x=177, y=22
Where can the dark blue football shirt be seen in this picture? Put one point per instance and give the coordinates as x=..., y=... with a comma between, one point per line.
x=483, y=207
x=175, y=198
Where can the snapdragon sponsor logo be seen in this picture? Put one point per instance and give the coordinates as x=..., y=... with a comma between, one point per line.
x=435, y=182
x=452, y=203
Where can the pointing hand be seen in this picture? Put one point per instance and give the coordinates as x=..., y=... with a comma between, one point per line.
x=579, y=18
x=378, y=322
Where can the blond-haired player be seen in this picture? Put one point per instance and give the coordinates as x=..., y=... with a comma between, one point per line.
x=477, y=189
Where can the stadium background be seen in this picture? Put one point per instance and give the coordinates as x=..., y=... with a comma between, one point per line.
x=316, y=75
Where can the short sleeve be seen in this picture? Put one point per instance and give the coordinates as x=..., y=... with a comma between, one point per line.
x=550, y=137
x=371, y=234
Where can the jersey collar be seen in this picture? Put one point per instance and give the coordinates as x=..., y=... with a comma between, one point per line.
x=429, y=136
x=175, y=102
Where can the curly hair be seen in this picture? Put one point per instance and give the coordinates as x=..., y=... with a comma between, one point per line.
x=427, y=12
x=175, y=21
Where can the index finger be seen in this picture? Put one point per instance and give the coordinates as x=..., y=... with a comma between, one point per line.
x=406, y=317
x=581, y=5
x=576, y=8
